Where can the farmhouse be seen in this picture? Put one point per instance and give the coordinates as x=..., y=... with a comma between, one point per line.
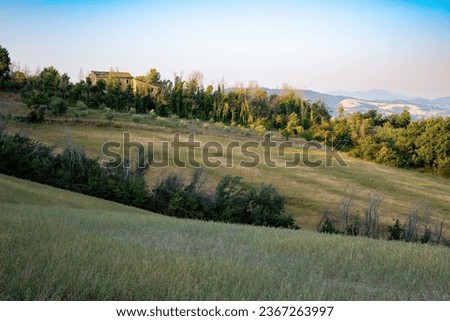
x=125, y=79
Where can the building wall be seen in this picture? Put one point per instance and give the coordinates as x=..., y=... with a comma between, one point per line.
x=137, y=85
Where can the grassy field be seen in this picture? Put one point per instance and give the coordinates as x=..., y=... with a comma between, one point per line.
x=309, y=191
x=58, y=245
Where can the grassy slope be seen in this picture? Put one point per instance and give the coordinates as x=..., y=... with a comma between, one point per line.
x=56, y=244
x=309, y=191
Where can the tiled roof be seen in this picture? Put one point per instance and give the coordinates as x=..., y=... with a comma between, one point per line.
x=114, y=74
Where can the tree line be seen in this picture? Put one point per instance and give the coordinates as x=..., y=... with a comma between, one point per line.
x=232, y=201
x=345, y=218
x=394, y=140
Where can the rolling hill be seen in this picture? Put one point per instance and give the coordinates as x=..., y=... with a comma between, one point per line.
x=58, y=245
x=384, y=102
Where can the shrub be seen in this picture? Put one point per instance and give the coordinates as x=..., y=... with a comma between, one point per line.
x=240, y=203
x=183, y=123
x=152, y=115
x=82, y=114
x=232, y=202
x=260, y=130
x=172, y=197
x=37, y=114
x=25, y=158
x=58, y=106
x=267, y=208
x=3, y=127
x=81, y=105
x=327, y=225
x=109, y=116
x=219, y=125
x=395, y=231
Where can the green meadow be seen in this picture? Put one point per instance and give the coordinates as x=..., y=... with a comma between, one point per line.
x=59, y=245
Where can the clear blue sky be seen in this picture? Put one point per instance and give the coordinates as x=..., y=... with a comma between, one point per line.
x=401, y=46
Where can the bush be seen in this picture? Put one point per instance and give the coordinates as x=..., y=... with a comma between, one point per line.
x=25, y=158
x=3, y=127
x=81, y=105
x=219, y=125
x=239, y=203
x=327, y=225
x=58, y=106
x=109, y=116
x=183, y=123
x=37, y=114
x=260, y=130
x=395, y=231
x=172, y=197
x=82, y=114
x=152, y=115
x=232, y=202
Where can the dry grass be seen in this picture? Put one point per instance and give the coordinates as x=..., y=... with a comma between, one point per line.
x=58, y=245
x=11, y=104
x=309, y=191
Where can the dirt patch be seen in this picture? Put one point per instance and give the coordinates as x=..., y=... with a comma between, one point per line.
x=12, y=104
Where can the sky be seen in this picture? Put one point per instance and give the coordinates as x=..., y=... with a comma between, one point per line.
x=400, y=46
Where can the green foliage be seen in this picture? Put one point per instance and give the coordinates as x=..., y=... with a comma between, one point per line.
x=153, y=77
x=58, y=106
x=174, y=198
x=328, y=226
x=232, y=201
x=5, y=62
x=342, y=138
x=37, y=114
x=395, y=231
x=81, y=105
x=400, y=121
x=72, y=170
x=394, y=140
x=25, y=158
x=239, y=203
x=109, y=116
x=267, y=208
x=397, y=141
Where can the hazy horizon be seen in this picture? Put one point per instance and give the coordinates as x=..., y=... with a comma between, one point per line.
x=398, y=46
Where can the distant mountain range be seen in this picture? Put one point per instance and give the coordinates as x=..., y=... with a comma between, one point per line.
x=374, y=94
x=383, y=101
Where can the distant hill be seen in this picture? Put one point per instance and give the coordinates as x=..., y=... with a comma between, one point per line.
x=373, y=94
x=383, y=101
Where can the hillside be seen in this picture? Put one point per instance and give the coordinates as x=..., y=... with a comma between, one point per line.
x=309, y=190
x=385, y=103
x=60, y=245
